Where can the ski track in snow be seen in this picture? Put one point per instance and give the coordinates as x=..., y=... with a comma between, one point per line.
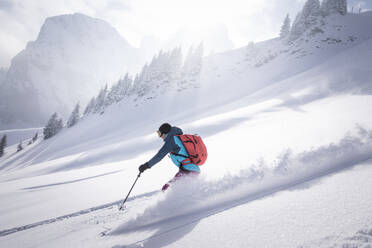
x=67, y=216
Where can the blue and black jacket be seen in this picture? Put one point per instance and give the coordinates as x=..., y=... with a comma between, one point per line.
x=173, y=144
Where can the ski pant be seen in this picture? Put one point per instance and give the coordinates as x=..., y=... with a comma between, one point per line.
x=180, y=174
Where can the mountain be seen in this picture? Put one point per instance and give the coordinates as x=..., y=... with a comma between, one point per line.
x=259, y=69
x=288, y=129
x=2, y=74
x=73, y=56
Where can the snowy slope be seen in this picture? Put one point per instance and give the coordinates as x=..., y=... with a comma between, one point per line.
x=14, y=136
x=290, y=149
x=316, y=152
x=214, y=38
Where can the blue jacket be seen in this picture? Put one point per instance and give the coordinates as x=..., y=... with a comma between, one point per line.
x=173, y=144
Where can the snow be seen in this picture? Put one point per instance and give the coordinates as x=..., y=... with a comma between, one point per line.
x=253, y=211
x=48, y=194
x=309, y=212
x=14, y=136
x=289, y=140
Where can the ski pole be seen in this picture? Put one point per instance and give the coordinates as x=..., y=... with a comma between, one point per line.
x=121, y=206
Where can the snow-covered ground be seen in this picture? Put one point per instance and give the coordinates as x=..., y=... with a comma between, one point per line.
x=290, y=160
x=14, y=136
x=285, y=176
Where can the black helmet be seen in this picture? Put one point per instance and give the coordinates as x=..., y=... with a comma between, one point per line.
x=164, y=128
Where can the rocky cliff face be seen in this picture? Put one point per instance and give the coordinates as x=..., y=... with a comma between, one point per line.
x=72, y=57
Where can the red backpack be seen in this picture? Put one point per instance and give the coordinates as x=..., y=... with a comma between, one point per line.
x=195, y=148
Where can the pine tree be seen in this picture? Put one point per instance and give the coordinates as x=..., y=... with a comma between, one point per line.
x=311, y=13
x=59, y=125
x=305, y=19
x=330, y=7
x=20, y=146
x=198, y=60
x=143, y=79
x=100, y=100
x=342, y=7
x=90, y=106
x=298, y=27
x=120, y=90
x=286, y=27
x=136, y=84
x=160, y=73
x=53, y=126
x=35, y=137
x=112, y=94
x=124, y=88
x=2, y=145
x=74, y=117
x=193, y=64
x=175, y=63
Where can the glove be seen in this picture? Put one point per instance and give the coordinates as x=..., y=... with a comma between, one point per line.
x=143, y=167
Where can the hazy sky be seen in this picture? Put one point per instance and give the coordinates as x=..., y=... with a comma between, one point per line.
x=245, y=20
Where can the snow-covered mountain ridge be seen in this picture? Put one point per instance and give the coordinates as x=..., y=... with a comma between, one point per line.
x=262, y=65
x=72, y=57
x=2, y=74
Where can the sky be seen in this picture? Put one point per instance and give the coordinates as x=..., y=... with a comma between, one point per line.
x=253, y=20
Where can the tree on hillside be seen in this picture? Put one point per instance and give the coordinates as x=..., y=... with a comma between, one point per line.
x=124, y=88
x=165, y=70
x=161, y=73
x=193, y=64
x=305, y=19
x=330, y=7
x=74, y=117
x=53, y=126
x=311, y=13
x=142, y=81
x=135, y=83
x=298, y=27
x=173, y=64
x=2, y=145
x=20, y=146
x=100, y=100
x=119, y=90
x=286, y=27
x=111, y=95
x=35, y=137
x=90, y=106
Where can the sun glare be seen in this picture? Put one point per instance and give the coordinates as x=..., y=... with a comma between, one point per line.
x=165, y=17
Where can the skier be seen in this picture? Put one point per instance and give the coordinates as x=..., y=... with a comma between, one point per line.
x=173, y=144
